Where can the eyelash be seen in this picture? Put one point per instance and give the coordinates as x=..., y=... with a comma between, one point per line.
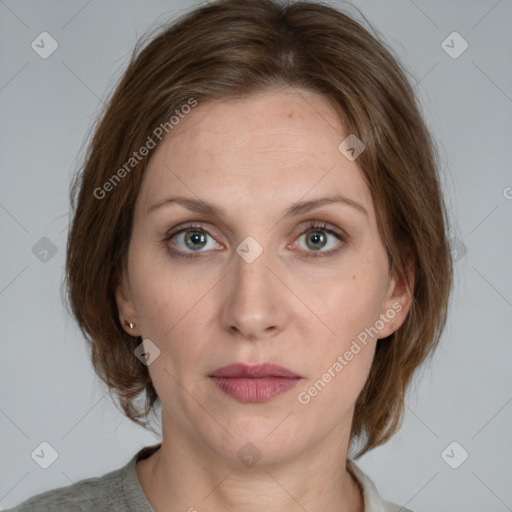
x=319, y=226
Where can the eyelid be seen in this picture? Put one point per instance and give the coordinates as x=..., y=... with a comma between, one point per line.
x=187, y=227
x=311, y=224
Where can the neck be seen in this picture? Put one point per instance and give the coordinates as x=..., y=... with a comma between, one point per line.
x=186, y=476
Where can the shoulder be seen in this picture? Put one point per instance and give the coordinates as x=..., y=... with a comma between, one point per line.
x=373, y=501
x=105, y=494
x=393, y=507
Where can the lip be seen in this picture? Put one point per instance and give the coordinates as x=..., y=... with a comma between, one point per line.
x=254, y=384
x=257, y=371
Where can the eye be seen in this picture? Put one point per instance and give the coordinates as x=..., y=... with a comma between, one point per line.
x=317, y=238
x=192, y=239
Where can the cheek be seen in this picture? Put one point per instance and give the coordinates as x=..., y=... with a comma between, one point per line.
x=169, y=308
x=159, y=295
x=168, y=314
x=353, y=302
x=336, y=388
x=339, y=366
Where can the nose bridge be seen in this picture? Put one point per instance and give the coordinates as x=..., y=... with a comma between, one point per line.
x=254, y=302
x=251, y=269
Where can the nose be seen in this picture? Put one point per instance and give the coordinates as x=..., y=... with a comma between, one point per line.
x=255, y=303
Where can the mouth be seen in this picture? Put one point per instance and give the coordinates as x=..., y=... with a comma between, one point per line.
x=254, y=384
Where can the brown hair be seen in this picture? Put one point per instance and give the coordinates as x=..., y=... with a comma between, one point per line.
x=232, y=48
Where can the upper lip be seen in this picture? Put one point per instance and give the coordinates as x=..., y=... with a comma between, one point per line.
x=240, y=370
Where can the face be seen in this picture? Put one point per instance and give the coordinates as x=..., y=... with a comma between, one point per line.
x=251, y=280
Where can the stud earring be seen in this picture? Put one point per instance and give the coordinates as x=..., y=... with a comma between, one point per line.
x=131, y=325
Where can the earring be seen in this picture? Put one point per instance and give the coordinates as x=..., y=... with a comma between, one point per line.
x=131, y=325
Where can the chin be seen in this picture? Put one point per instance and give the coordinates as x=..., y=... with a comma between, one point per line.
x=257, y=444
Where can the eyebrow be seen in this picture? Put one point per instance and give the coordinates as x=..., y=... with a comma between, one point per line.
x=200, y=206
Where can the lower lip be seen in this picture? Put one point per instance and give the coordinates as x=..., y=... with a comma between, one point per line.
x=254, y=390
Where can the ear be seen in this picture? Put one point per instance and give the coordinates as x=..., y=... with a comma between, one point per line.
x=125, y=306
x=397, y=303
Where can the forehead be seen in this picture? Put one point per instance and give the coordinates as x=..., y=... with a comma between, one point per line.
x=279, y=145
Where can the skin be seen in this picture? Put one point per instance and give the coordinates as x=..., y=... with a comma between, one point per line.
x=254, y=158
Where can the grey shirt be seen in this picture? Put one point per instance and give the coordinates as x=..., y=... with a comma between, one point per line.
x=121, y=491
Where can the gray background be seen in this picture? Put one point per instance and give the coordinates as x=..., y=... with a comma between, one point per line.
x=49, y=390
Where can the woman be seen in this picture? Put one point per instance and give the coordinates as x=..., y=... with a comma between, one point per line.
x=258, y=246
